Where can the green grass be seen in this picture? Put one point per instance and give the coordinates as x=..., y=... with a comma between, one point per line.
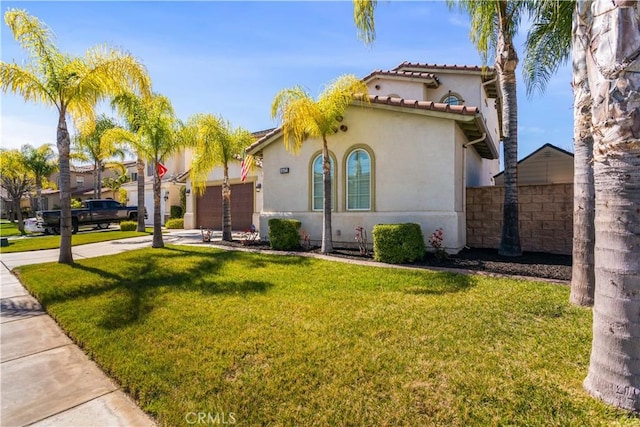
x=285, y=340
x=8, y=229
x=39, y=242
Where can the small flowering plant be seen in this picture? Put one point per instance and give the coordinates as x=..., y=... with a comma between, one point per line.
x=436, y=243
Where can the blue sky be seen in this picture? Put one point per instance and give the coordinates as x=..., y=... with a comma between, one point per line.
x=231, y=58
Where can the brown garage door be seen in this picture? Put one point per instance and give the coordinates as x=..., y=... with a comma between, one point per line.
x=209, y=207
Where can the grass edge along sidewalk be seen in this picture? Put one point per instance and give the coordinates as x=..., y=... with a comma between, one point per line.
x=275, y=339
x=35, y=243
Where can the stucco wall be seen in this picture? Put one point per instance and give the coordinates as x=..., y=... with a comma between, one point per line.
x=415, y=170
x=545, y=213
x=405, y=89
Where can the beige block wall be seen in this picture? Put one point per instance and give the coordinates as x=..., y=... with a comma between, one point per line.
x=545, y=214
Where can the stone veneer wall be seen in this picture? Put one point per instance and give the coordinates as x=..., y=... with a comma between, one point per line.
x=546, y=217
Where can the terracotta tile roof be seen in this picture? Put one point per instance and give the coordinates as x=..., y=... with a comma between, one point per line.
x=259, y=134
x=433, y=80
x=423, y=105
x=425, y=66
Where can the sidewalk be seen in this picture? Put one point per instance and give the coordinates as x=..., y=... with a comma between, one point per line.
x=45, y=379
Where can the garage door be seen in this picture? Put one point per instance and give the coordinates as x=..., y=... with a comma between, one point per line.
x=209, y=207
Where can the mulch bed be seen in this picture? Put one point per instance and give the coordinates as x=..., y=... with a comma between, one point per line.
x=531, y=264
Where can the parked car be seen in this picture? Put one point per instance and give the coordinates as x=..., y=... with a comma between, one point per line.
x=99, y=212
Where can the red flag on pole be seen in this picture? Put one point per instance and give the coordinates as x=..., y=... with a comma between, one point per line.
x=162, y=169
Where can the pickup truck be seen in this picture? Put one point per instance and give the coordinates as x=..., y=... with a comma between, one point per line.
x=99, y=212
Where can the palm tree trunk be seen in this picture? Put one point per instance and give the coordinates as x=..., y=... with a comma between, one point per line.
x=157, y=227
x=506, y=63
x=99, y=181
x=582, y=274
x=141, y=208
x=327, y=243
x=64, y=146
x=95, y=179
x=614, y=369
x=226, y=206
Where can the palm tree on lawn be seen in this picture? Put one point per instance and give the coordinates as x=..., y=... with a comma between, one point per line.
x=153, y=135
x=16, y=179
x=92, y=147
x=558, y=32
x=42, y=163
x=614, y=52
x=73, y=85
x=303, y=117
x=215, y=144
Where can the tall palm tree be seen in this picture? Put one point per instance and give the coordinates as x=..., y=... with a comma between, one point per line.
x=42, y=163
x=493, y=25
x=303, y=117
x=73, y=85
x=90, y=146
x=215, y=144
x=16, y=179
x=153, y=135
x=558, y=32
x=614, y=52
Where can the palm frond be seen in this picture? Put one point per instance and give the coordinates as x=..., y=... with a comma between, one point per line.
x=35, y=37
x=363, y=15
x=22, y=81
x=548, y=44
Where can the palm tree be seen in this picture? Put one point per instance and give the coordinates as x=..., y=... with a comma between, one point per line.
x=16, y=179
x=550, y=42
x=73, y=85
x=493, y=26
x=153, y=135
x=614, y=52
x=303, y=117
x=41, y=162
x=130, y=108
x=215, y=144
x=92, y=147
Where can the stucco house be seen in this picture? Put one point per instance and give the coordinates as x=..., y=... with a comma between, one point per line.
x=547, y=165
x=427, y=133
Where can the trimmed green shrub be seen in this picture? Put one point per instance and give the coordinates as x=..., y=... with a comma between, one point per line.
x=128, y=226
x=398, y=243
x=176, y=212
x=284, y=234
x=174, y=223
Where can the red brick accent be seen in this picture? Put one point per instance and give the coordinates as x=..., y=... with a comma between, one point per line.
x=545, y=212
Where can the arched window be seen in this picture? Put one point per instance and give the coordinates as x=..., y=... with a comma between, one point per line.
x=452, y=98
x=317, y=187
x=359, y=180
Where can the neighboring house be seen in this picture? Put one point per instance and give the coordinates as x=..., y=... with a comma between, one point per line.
x=428, y=132
x=547, y=165
x=172, y=181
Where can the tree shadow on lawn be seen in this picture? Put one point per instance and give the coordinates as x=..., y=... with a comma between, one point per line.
x=136, y=294
x=443, y=283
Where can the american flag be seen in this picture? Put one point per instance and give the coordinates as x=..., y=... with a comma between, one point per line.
x=244, y=169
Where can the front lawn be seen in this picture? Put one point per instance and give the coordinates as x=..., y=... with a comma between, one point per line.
x=8, y=228
x=285, y=340
x=35, y=243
